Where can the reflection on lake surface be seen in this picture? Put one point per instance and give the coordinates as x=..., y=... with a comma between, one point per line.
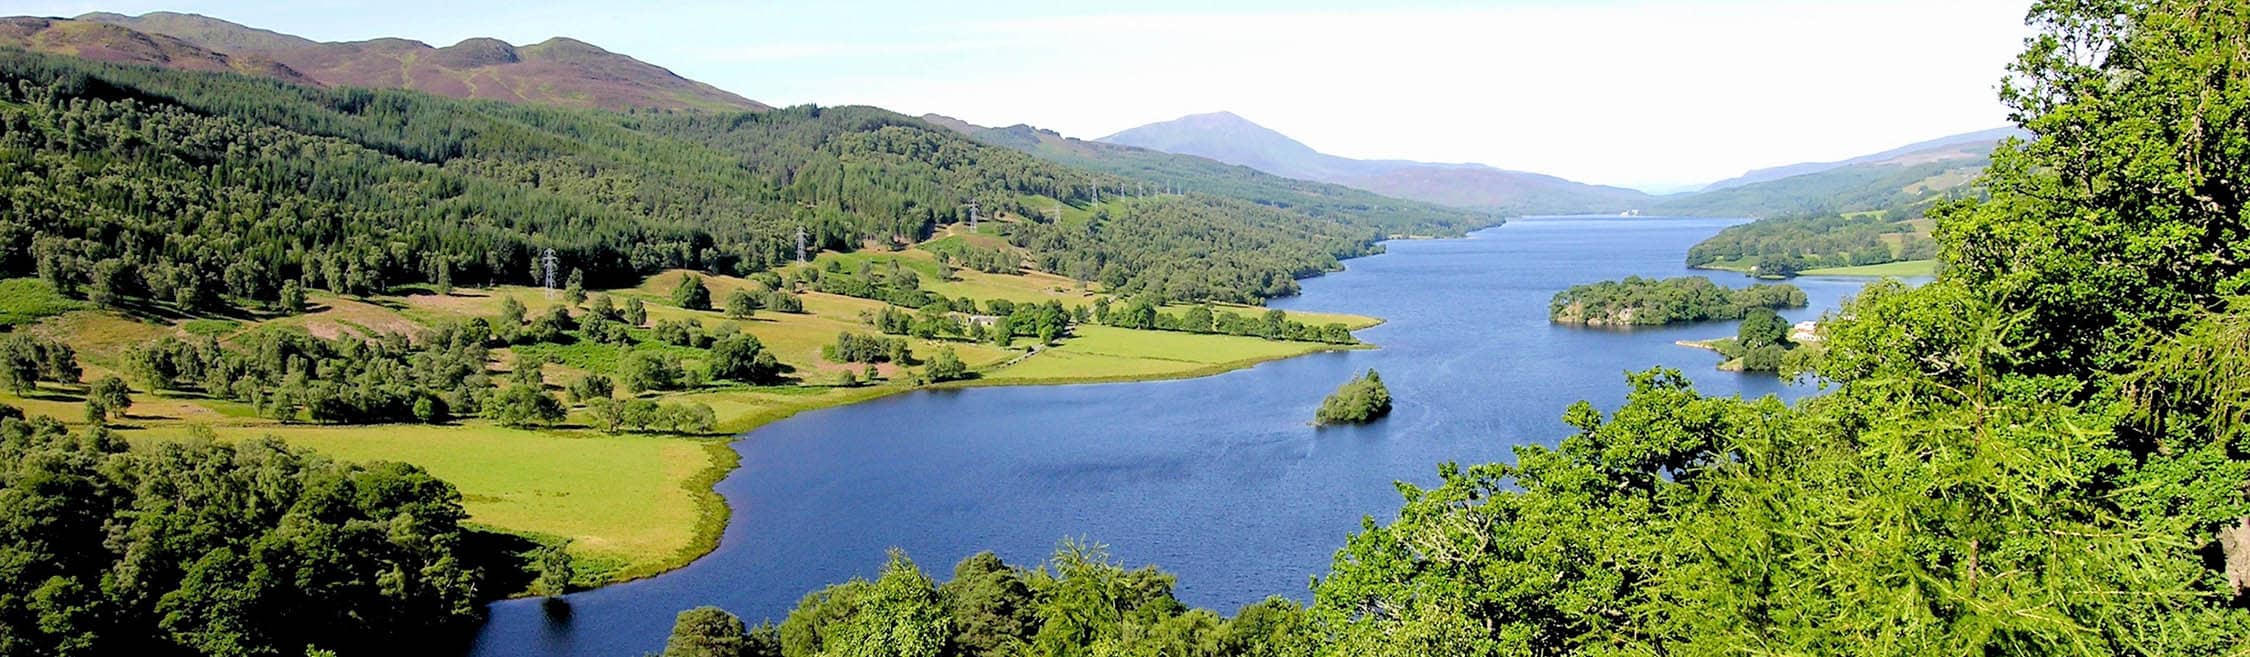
x=1220, y=480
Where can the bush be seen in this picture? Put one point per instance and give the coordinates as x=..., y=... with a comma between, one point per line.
x=1359, y=401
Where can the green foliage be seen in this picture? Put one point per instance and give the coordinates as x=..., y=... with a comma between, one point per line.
x=740, y=305
x=2031, y=455
x=1079, y=604
x=283, y=374
x=1637, y=301
x=26, y=359
x=691, y=294
x=105, y=396
x=210, y=549
x=855, y=348
x=644, y=371
x=708, y=632
x=742, y=358
x=946, y=366
x=1762, y=327
x=1271, y=325
x=523, y=406
x=1818, y=241
x=553, y=570
x=1358, y=401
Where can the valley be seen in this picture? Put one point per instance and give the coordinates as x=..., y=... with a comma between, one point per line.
x=324, y=340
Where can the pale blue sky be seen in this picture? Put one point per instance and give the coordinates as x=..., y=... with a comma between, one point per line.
x=1649, y=94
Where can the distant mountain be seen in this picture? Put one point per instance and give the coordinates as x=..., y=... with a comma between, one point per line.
x=204, y=30
x=1155, y=169
x=1899, y=177
x=559, y=71
x=1964, y=146
x=1228, y=138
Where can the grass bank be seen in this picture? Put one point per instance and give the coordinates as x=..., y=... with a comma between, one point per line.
x=1902, y=269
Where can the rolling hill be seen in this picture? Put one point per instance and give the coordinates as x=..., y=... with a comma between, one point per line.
x=560, y=71
x=1226, y=137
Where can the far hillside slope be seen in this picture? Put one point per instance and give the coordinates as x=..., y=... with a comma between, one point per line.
x=1976, y=143
x=1900, y=177
x=1156, y=170
x=1229, y=138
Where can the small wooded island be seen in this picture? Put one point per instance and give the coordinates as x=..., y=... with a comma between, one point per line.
x=1638, y=301
x=1359, y=401
x=1761, y=344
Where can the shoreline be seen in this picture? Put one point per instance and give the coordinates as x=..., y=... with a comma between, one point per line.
x=714, y=514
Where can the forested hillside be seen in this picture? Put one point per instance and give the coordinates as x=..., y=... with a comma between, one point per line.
x=1783, y=246
x=1152, y=169
x=1860, y=187
x=213, y=189
x=2042, y=452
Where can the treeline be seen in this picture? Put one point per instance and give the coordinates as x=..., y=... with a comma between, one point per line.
x=1194, y=246
x=1783, y=246
x=200, y=190
x=1637, y=301
x=442, y=373
x=1001, y=321
x=998, y=321
x=293, y=377
x=1075, y=602
x=1145, y=313
x=196, y=547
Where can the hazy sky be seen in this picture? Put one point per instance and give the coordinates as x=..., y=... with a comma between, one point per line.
x=1648, y=94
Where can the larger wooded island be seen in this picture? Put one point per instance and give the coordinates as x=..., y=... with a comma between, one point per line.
x=1637, y=301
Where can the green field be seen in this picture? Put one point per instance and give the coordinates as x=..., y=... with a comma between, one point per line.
x=631, y=506
x=1907, y=268
x=1102, y=353
x=1741, y=265
x=27, y=300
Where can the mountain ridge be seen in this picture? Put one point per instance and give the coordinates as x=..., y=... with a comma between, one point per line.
x=1228, y=137
x=1984, y=137
x=559, y=71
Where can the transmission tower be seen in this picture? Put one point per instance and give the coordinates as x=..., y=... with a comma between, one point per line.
x=800, y=245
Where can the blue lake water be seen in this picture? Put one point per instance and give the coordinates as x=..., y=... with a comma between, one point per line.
x=1219, y=480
